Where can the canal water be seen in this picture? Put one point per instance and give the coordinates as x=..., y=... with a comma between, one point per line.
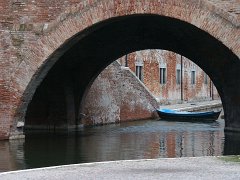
x=130, y=140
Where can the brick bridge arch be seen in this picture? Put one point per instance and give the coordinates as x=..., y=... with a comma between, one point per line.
x=83, y=37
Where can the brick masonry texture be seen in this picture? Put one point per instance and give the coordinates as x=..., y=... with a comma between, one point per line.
x=32, y=31
x=117, y=95
x=152, y=60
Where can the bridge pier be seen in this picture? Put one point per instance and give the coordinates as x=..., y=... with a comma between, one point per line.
x=70, y=107
x=6, y=110
x=232, y=118
x=8, y=128
x=5, y=120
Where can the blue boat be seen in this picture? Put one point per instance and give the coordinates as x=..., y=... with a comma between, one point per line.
x=188, y=116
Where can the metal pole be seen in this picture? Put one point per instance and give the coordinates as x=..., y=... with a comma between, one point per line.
x=126, y=60
x=181, y=78
x=212, y=92
x=210, y=88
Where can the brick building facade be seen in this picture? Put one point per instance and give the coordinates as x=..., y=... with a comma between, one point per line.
x=161, y=71
x=151, y=78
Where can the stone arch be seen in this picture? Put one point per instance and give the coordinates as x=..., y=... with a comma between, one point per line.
x=62, y=35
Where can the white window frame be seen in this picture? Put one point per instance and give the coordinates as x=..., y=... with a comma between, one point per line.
x=193, y=77
x=163, y=75
x=178, y=76
x=139, y=72
x=205, y=78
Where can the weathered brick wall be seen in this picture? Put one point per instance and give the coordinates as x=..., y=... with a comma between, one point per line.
x=32, y=31
x=117, y=95
x=170, y=92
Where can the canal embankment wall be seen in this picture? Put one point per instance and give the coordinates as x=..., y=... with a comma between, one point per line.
x=118, y=95
x=196, y=106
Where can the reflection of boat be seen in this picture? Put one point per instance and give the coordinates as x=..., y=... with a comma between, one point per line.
x=188, y=116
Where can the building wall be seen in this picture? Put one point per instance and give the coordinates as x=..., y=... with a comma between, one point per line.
x=151, y=62
x=117, y=95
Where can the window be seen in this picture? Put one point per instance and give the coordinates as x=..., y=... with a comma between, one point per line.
x=205, y=78
x=139, y=72
x=178, y=76
x=193, y=76
x=162, y=75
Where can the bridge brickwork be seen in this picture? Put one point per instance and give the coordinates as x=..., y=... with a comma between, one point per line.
x=36, y=34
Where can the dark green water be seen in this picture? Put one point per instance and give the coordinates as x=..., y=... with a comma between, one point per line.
x=132, y=140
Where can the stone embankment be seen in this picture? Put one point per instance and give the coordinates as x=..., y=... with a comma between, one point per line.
x=196, y=106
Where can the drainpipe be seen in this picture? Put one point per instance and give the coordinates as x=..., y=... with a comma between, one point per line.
x=126, y=60
x=212, y=92
x=181, y=79
x=211, y=89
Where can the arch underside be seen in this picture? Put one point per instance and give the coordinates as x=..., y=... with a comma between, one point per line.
x=72, y=74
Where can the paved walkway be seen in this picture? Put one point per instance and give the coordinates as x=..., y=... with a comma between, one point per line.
x=169, y=168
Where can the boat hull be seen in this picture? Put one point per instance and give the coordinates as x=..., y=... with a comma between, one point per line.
x=181, y=116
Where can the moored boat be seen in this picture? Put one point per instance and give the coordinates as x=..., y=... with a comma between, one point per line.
x=188, y=116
